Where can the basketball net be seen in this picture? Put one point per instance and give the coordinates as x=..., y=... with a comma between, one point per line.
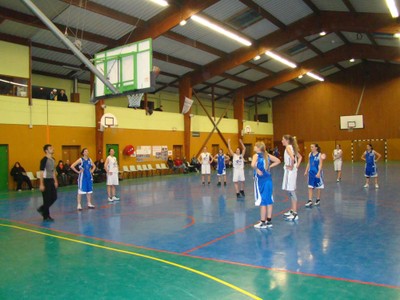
x=350, y=128
x=134, y=100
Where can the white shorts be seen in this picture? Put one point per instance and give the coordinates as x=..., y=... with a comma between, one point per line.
x=289, y=180
x=205, y=169
x=113, y=179
x=238, y=175
x=337, y=164
x=83, y=193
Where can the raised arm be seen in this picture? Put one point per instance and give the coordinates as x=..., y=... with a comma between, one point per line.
x=229, y=147
x=243, y=147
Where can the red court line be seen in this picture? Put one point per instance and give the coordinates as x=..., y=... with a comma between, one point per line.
x=297, y=273
x=212, y=259
x=229, y=234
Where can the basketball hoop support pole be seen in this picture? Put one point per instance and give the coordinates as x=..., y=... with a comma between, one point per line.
x=68, y=44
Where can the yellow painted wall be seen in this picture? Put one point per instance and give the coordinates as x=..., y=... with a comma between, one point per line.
x=26, y=144
x=14, y=59
x=15, y=110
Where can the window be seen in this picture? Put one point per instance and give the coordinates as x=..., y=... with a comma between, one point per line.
x=13, y=86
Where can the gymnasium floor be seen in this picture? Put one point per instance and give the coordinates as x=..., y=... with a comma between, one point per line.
x=171, y=238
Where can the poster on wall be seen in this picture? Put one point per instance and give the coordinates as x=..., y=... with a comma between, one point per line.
x=160, y=152
x=143, y=153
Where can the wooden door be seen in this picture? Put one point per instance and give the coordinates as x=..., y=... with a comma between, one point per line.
x=215, y=149
x=71, y=153
x=177, y=151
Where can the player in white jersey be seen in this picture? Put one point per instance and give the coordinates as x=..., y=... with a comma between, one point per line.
x=238, y=168
x=337, y=155
x=111, y=167
x=292, y=160
x=205, y=158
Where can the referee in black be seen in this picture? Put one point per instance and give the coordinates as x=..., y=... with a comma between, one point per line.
x=48, y=182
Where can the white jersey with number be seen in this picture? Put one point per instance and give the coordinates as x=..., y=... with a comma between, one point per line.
x=289, y=176
x=205, y=158
x=337, y=162
x=237, y=161
x=238, y=167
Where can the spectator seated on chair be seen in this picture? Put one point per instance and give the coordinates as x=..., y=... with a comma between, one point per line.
x=170, y=163
x=178, y=164
x=19, y=175
x=189, y=167
x=194, y=162
x=72, y=176
x=99, y=173
x=61, y=174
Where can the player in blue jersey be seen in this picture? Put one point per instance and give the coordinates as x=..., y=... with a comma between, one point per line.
x=370, y=156
x=85, y=179
x=220, y=158
x=262, y=162
x=315, y=174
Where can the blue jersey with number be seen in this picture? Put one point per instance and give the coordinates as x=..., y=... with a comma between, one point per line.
x=221, y=164
x=313, y=181
x=85, y=179
x=263, y=183
x=370, y=165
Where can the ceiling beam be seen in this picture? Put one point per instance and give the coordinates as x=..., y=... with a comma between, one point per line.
x=14, y=39
x=311, y=5
x=107, y=12
x=349, y=6
x=54, y=62
x=331, y=57
x=193, y=43
x=56, y=49
x=166, y=20
x=265, y=14
x=37, y=23
x=328, y=21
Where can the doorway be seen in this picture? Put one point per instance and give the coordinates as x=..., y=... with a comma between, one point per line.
x=215, y=149
x=3, y=168
x=71, y=153
x=177, y=151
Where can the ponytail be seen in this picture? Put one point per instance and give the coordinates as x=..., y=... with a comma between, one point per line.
x=292, y=141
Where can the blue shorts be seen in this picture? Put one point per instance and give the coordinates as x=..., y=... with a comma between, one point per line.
x=263, y=190
x=314, y=182
x=371, y=171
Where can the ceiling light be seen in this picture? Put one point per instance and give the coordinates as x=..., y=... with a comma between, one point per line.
x=221, y=30
x=351, y=60
x=397, y=35
x=322, y=33
x=315, y=76
x=391, y=4
x=160, y=2
x=300, y=76
x=182, y=23
x=281, y=59
x=257, y=57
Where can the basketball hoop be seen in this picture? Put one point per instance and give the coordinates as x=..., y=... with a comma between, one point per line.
x=350, y=127
x=134, y=100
